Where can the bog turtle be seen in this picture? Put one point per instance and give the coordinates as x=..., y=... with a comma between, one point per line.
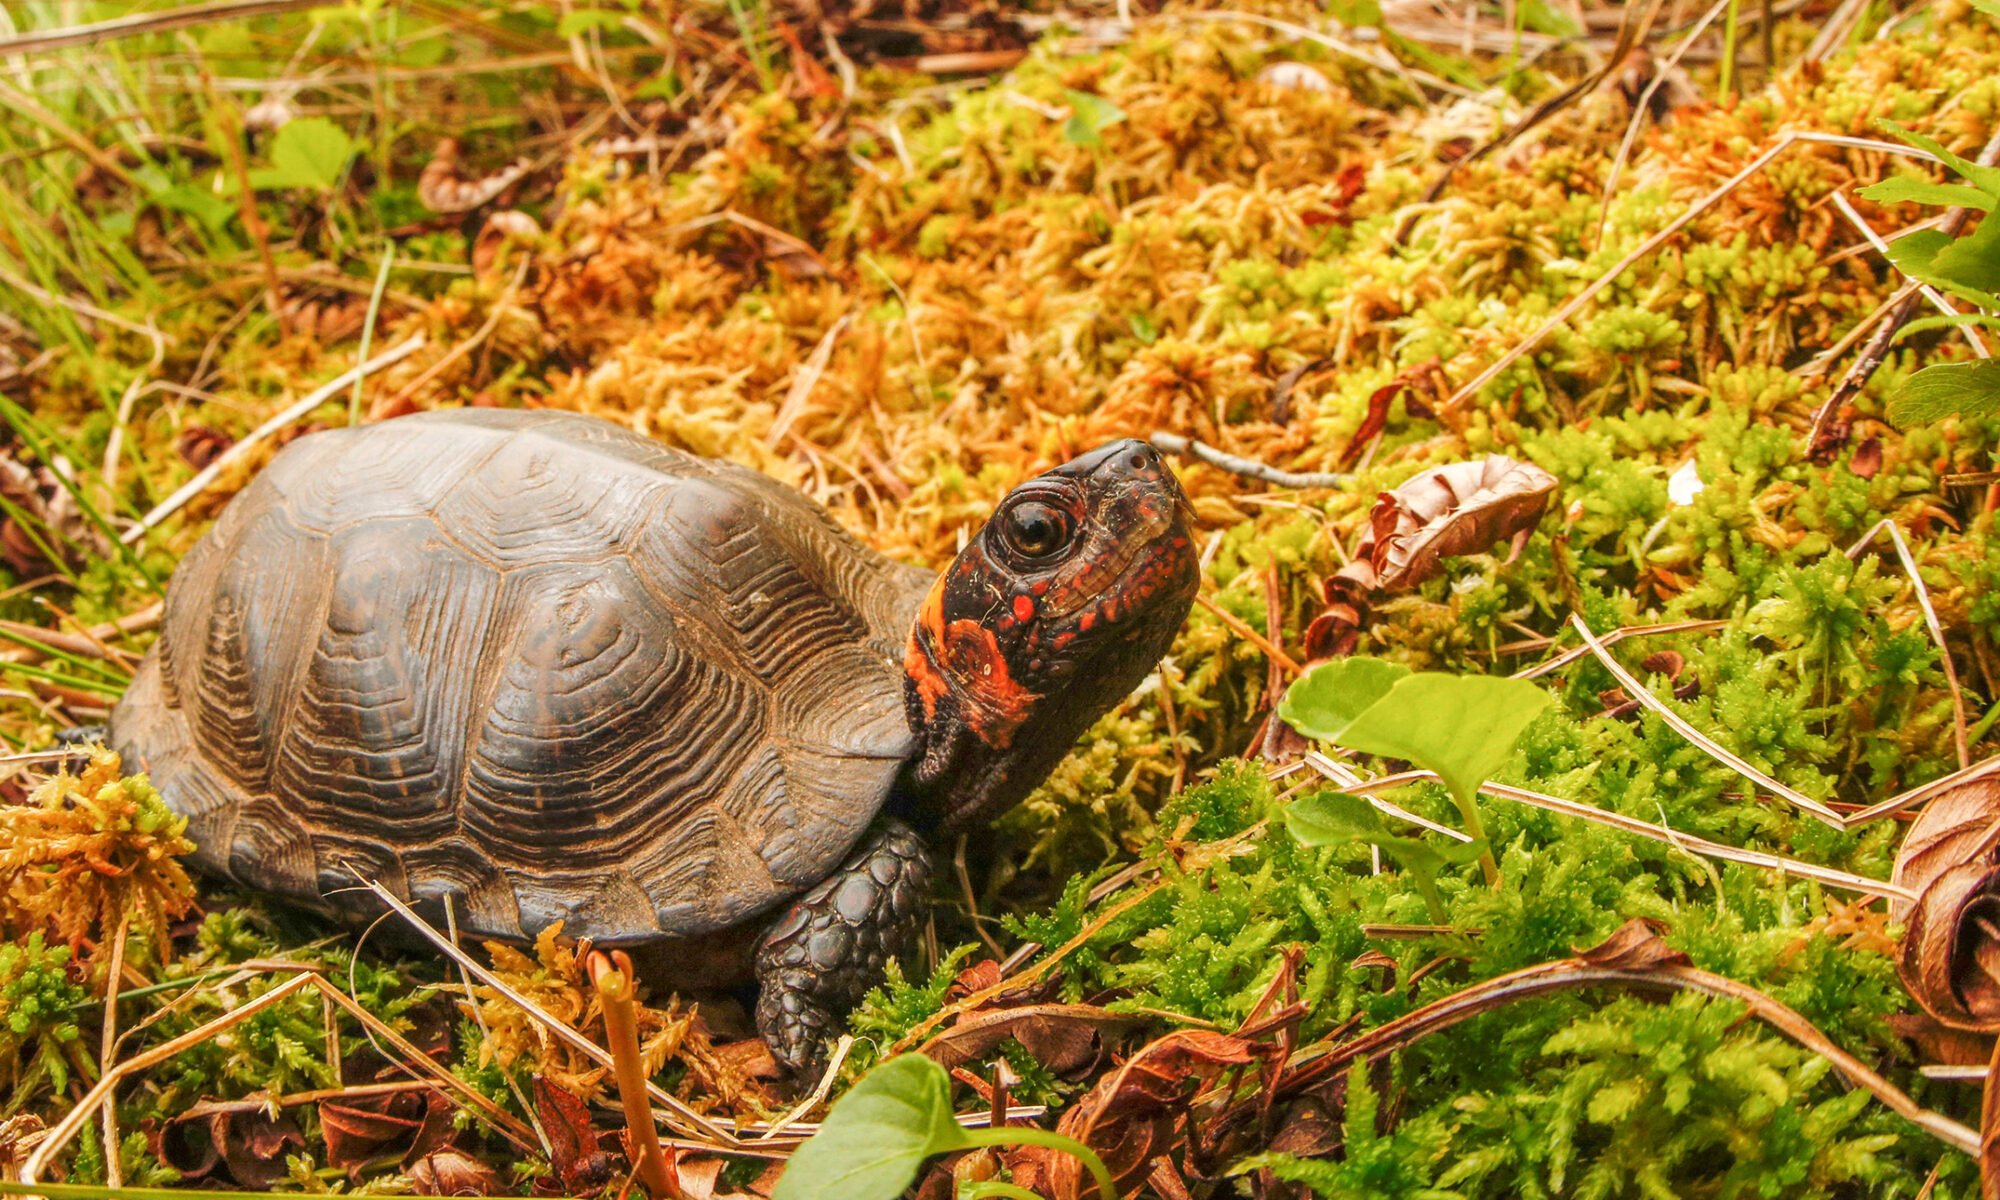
x=549, y=670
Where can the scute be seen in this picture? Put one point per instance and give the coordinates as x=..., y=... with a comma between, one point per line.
x=535, y=663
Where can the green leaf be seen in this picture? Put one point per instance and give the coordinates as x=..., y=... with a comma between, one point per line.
x=1918, y=255
x=1325, y=700
x=1990, y=7
x=1986, y=179
x=1971, y=263
x=1947, y=390
x=1461, y=726
x=1089, y=117
x=308, y=153
x=1908, y=189
x=877, y=1135
x=1336, y=819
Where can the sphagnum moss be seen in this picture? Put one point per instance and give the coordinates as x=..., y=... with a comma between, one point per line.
x=1012, y=293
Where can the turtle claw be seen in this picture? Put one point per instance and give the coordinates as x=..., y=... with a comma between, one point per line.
x=832, y=944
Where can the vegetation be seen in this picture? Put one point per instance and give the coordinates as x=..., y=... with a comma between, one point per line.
x=905, y=263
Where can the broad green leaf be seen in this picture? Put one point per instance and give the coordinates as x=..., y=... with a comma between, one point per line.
x=1971, y=263
x=1907, y=189
x=1089, y=117
x=876, y=1136
x=1335, y=819
x=1990, y=7
x=308, y=153
x=1947, y=390
x=1461, y=726
x=1917, y=255
x=1325, y=700
x=1986, y=179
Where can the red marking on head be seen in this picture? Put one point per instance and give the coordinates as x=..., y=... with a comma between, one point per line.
x=919, y=659
x=1085, y=621
x=964, y=661
x=1024, y=608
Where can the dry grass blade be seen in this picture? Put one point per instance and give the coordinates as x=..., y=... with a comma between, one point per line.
x=60, y=1134
x=1698, y=739
x=563, y=1032
x=97, y=32
x=1610, y=639
x=1923, y=791
x=805, y=381
x=318, y=396
x=1867, y=231
x=1643, y=105
x=85, y=643
x=1659, y=833
x=1276, y=654
x=1923, y=594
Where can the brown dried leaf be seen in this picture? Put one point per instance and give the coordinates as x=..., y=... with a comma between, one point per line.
x=1989, y=1130
x=443, y=187
x=574, y=1150
x=508, y=226
x=366, y=1128
x=1460, y=508
x=453, y=1172
x=249, y=1143
x=1634, y=946
x=1062, y=1037
x=1940, y=1044
x=1951, y=942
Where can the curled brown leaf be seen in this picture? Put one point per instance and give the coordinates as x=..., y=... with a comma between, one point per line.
x=1062, y=1037
x=1634, y=946
x=1456, y=509
x=1951, y=941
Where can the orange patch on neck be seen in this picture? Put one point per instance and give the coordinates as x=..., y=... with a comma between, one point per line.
x=965, y=660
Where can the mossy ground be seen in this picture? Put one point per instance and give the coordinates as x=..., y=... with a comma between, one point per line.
x=907, y=301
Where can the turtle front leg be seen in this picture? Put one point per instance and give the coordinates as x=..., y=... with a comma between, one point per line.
x=832, y=944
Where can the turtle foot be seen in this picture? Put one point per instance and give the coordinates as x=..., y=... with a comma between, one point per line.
x=832, y=944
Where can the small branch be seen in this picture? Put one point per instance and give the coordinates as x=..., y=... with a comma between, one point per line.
x=1282, y=660
x=1821, y=441
x=96, y=32
x=1171, y=443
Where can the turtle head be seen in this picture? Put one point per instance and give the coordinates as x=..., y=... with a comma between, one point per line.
x=1051, y=615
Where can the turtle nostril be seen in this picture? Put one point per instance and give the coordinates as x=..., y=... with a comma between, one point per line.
x=1138, y=460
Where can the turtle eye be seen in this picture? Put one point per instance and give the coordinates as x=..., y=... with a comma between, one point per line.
x=1036, y=530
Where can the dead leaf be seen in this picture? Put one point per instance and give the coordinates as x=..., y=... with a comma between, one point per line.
x=1866, y=461
x=509, y=226
x=579, y=1161
x=1951, y=941
x=1989, y=1130
x=1940, y=1044
x=453, y=1172
x=1445, y=512
x=1634, y=946
x=247, y=1142
x=1133, y=1115
x=1062, y=1037
x=443, y=186
x=363, y=1129
x=19, y=1135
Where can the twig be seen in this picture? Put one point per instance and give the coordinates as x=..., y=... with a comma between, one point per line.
x=1721, y=851
x=1641, y=107
x=1611, y=639
x=1930, y=622
x=1569, y=307
x=320, y=395
x=805, y=381
x=65, y=1129
x=1937, y=300
x=1284, y=661
x=1173, y=443
x=459, y=351
x=1922, y=792
x=814, y=1098
x=1695, y=737
x=1575, y=972
x=1821, y=440
x=114, y=1170
x=88, y=643
x=142, y=23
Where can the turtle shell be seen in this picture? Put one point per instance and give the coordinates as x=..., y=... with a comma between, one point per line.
x=532, y=661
